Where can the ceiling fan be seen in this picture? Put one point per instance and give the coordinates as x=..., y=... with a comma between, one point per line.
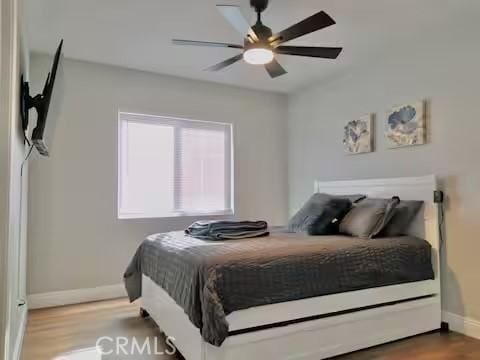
x=261, y=44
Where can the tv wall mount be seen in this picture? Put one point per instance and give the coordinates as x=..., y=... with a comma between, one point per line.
x=41, y=103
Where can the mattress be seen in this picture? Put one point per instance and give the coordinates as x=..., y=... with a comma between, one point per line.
x=210, y=280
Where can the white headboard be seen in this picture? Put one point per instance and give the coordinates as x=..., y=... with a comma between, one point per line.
x=425, y=226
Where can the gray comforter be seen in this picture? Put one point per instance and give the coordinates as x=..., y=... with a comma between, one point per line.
x=209, y=280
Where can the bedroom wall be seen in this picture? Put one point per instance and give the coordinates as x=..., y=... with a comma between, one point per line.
x=75, y=238
x=440, y=65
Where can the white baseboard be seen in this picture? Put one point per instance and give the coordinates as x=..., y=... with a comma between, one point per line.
x=17, y=350
x=77, y=296
x=463, y=325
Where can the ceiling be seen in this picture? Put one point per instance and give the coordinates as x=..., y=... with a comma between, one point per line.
x=137, y=34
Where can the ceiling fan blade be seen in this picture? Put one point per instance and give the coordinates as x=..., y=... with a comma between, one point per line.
x=225, y=63
x=313, y=23
x=274, y=69
x=318, y=52
x=234, y=16
x=205, y=43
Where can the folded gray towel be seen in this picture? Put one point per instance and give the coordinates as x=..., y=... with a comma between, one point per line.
x=227, y=230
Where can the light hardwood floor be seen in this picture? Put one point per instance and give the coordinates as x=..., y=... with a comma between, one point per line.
x=70, y=333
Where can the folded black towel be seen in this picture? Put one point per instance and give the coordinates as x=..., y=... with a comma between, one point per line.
x=227, y=230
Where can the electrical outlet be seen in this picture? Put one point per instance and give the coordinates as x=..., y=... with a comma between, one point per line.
x=438, y=197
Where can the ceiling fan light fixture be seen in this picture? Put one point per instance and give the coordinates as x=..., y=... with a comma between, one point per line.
x=261, y=45
x=258, y=56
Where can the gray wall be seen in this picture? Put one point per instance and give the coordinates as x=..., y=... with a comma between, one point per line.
x=75, y=239
x=440, y=66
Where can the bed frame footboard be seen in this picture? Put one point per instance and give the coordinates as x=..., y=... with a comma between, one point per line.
x=309, y=340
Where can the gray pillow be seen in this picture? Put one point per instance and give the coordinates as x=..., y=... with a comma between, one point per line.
x=368, y=217
x=319, y=211
x=402, y=217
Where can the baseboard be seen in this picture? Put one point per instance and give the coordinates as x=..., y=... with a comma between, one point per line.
x=463, y=325
x=77, y=296
x=17, y=350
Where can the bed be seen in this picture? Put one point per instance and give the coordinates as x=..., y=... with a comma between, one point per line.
x=319, y=321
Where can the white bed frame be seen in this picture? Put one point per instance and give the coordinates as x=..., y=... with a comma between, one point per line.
x=364, y=320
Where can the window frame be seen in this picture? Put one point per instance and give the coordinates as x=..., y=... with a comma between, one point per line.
x=176, y=123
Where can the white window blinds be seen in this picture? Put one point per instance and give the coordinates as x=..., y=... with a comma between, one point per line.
x=173, y=167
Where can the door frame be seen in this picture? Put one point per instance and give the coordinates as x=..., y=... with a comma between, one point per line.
x=8, y=57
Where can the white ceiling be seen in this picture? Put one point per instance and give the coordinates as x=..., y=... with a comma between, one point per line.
x=137, y=34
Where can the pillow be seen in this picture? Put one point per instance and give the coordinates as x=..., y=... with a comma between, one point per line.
x=353, y=198
x=328, y=221
x=369, y=217
x=319, y=205
x=402, y=217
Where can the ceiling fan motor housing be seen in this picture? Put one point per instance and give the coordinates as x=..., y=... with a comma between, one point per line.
x=263, y=32
x=259, y=5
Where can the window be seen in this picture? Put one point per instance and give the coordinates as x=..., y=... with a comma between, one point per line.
x=173, y=167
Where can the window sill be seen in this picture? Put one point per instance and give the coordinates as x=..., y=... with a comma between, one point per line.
x=176, y=215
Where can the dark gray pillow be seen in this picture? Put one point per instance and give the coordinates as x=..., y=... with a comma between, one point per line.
x=368, y=217
x=402, y=217
x=328, y=221
x=320, y=209
x=353, y=198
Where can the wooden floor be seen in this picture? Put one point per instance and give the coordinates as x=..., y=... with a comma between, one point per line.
x=71, y=332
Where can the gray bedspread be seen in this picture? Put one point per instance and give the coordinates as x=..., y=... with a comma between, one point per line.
x=209, y=280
